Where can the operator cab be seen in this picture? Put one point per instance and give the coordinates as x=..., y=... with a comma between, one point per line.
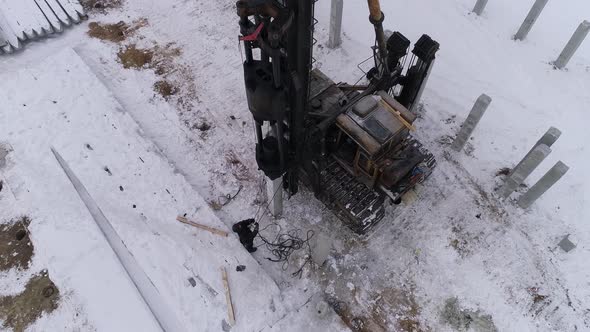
x=379, y=128
x=371, y=140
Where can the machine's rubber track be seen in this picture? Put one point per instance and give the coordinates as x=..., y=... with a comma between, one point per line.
x=357, y=205
x=425, y=168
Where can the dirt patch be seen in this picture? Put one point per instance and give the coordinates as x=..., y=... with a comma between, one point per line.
x=357, y=323
x=238, y=169
x=399, y=305
x=459, y=245
x=159, y=58
x=504, y=171
x=40, y=296
x=534, y=291
x=16, y=249
x=215, y=205
x=460, y=240
x=165, y=56
x=450, y=120
x=176, y=78
x=165, y=89
x=132, y=57
x=176, y=83
x=404, y=304
x=116, y=32
x=205, y=126
x=464, y=319
x=100, y=6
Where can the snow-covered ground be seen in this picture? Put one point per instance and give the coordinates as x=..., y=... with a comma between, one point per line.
x=67, y=107
x=456, y=241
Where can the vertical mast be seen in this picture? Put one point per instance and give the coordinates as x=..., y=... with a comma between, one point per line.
x=376, y=17
x=300, y=49
x=277, y=80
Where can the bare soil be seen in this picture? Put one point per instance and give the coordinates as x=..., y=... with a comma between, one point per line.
x=116, y=32
x=503, y=171
x=377, y=315
x=176, y=78
x=132, y=57
x=238, y=169
x=100, y=6
x=165, y=89
x=40, y=296
x=164, y=62
x=159, y=58
x=403, y=303
x=16, y=248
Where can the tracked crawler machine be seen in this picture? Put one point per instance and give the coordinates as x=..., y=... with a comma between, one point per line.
x=349, y=144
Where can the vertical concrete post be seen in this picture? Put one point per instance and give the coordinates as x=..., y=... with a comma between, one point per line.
x=274, y=192
x=335, y=38
x=546, y=182
x=573, y=45
x=548, y=139
x=525, y=169
x=480, y=5
x=477, y=112
x=530, y=19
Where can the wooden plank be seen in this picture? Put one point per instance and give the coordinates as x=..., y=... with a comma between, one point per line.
x=398, y=115
x=204, y=227
x=409, y=116
x=230, y=306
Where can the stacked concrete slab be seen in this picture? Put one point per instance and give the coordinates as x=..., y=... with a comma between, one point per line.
x=24, y=20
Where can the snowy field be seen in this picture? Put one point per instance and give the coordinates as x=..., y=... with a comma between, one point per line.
x=151, y=115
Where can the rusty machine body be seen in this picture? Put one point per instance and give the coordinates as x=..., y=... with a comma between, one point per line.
x=349, y=144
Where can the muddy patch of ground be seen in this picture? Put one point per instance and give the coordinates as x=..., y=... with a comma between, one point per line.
x=536, y=296
x=391, y=303
x=132, y=57
x=16, y=248
x=540, y=301
x=159, y=58
x=465, y=319
x=165, y=59
x=460, y=240
x=238, y=169
x=404, y=304
x=100, y=6
x=175, y=78
x=504, y=171
x=386, y=310
x=116, y=32
x=40, y=296
x=165, y=89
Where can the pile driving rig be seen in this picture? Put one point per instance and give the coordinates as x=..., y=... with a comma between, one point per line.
x=350, y=145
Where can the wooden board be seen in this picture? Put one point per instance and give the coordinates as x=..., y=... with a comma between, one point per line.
x=204, y=227
x=230, y=306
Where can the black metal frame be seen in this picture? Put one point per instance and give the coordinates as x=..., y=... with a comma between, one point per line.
x=278, y=84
